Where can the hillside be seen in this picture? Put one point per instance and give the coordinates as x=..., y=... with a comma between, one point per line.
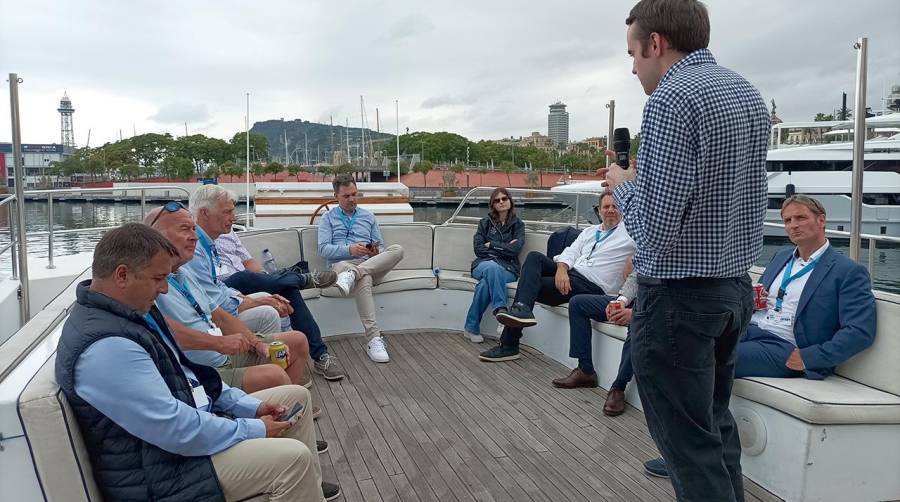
x=320, y=138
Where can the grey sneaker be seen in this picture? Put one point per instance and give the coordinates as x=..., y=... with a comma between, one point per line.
x=328, y=367
x=474, y=337
x=320, y=279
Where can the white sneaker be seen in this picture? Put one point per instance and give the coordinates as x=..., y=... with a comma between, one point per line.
x=345, y=281
x=377, y=350
x=474, y=337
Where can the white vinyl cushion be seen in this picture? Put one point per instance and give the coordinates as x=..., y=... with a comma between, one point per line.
x=835, y=400
x=60, y=456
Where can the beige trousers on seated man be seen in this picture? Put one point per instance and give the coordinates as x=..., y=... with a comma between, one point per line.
x=284, y=468
x=369, y=273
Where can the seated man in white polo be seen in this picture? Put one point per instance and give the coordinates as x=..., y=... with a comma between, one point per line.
x=349, y=238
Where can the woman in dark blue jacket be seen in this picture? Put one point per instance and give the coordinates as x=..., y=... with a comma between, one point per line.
x=498, y=240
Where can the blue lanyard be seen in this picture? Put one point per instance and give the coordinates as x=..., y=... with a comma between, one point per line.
x=348, y=223
x=787, y=278
x=210, y=251
x=598, y=238
x=152, y=322
x=186, y=293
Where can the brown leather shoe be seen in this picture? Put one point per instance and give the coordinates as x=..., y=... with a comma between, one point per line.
x=576, y=378
x=615, y=403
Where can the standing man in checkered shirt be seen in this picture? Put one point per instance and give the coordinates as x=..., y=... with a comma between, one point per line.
x=695, y=207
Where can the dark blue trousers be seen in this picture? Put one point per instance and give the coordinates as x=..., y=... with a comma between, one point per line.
x=583, y=309
x=763, y=354
x=288, y=285
x=537, y=284
x=683, y=338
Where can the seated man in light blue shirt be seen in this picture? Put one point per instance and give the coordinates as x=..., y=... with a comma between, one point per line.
x=172, y=429
x=210, y=335
x=349, y=238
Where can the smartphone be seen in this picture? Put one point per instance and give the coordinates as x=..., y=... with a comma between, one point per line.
x=370, y=246
x=293, y=415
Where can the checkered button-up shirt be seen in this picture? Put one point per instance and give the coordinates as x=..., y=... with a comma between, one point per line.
x=697, y=206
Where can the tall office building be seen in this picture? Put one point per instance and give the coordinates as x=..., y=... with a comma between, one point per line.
x=558, y=124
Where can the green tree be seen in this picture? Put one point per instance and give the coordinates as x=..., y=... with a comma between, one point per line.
x=821, y=117
x=482, y=170
x=448, y=181
x=212, y=171
x=507, y=167
x=148, y=150
x=178, y=167
x=423, y=167
x=274, y=168
x=295, y=170
x=259, y=146
x=256, y=169
x=230, y=169
x=344, y=169
x=459, y=169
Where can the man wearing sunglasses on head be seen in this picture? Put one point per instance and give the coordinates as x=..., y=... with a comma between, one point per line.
x=208, y=333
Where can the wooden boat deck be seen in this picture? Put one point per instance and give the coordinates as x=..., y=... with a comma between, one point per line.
x=436, y=424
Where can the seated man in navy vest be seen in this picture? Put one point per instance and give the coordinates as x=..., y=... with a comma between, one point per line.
x=819, y=312
x=156, y=425
x=820, y=309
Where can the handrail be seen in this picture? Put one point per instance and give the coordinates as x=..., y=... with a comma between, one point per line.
x=872, y=238
x=51, y=232
x=469, y=194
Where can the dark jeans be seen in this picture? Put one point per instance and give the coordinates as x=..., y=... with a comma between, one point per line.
x=288, y=285
x=684, y=333
x=582, y=309
x=626, y=371
x=536, y=284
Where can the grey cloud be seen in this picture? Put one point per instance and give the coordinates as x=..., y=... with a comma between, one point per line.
x=177, y=113
x=409, y=26
x=447, y=100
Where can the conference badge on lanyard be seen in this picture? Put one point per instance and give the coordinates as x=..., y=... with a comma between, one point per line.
x=787, y=278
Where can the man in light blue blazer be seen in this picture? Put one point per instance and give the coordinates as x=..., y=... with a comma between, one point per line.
x=820, y=310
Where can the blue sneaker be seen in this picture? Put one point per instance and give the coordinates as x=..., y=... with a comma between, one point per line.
x=656, y=468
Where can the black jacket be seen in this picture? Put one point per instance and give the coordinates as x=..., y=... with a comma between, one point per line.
x=126, y=467
x=502, y=250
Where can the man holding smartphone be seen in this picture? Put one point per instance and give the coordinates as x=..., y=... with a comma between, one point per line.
x=349, y=238
x=695, y=210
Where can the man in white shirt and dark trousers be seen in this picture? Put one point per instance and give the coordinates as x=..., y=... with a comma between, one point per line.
x=593, y=264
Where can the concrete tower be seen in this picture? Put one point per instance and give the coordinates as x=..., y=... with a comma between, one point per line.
x=67, y=130
x=558, y=124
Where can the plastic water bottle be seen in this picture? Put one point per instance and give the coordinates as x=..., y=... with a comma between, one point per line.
x=269, y=261
x=437, y=271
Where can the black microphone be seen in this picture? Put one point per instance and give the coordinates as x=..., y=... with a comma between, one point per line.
x=622, y=145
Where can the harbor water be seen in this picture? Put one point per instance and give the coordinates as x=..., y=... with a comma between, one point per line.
x=74, y=215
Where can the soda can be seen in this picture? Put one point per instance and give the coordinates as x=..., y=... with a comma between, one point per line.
x=759, y=301
x=615, y=305
x=278, y=354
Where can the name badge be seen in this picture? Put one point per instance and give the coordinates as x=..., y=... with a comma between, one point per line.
x=200, y=397
x=778, y=318
x=215, y=331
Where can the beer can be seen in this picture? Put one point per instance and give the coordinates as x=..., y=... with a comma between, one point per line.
x=759, y=301
x=278, y=354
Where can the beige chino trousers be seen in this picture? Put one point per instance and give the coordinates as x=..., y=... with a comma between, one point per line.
x=369, y=273
x=284, y=468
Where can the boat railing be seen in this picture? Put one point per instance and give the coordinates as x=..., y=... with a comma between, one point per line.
x=871, y=239
x=527, y=194
x=18, y=237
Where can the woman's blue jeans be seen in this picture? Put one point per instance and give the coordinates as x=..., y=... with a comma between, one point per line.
x=490, y=290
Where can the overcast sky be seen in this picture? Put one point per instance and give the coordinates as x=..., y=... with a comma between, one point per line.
x=484, y=69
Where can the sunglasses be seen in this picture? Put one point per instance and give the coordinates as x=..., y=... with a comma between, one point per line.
x=170, y=207
x=501, y=199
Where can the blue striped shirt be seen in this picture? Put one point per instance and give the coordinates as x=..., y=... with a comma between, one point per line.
x=697, y=206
